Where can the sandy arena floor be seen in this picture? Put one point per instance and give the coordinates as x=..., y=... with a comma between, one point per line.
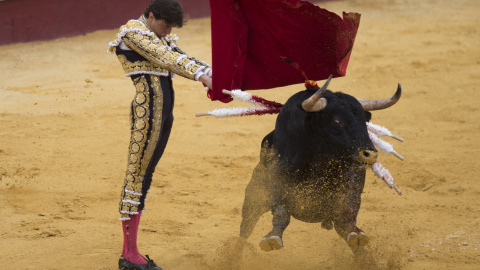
x=64, y=128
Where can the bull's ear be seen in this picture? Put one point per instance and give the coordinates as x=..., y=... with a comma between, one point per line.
x=368, y=116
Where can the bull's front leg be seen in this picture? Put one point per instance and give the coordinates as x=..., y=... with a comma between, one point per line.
x=345, y=223
x=280, y=221
x=257, y=202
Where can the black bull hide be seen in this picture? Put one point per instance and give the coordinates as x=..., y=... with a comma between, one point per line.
x=312, y=167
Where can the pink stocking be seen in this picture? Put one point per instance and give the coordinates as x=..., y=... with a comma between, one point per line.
x=130, y=229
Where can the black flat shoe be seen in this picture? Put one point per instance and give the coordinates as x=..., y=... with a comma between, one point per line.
x=123, y=264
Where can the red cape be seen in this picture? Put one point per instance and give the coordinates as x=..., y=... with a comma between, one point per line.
x=249, y=36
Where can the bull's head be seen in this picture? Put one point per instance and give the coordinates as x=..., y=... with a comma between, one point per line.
x=366, y=153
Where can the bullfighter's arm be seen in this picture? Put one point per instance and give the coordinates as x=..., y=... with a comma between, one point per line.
x=163, y=57
x=172, y=41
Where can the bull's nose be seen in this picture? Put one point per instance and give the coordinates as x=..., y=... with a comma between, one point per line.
x=368, y=156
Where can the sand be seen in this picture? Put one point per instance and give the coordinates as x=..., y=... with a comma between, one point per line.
x=65, y=132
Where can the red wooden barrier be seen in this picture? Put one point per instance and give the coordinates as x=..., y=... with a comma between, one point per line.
x=30, y=20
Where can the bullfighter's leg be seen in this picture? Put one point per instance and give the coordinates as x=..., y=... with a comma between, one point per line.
x=151, y=122
x=345, y=225
x=280, y=221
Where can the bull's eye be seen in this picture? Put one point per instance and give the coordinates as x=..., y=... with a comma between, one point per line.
x=337, y=122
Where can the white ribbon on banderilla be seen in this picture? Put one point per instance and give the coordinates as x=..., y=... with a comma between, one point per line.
x=263, y=106
x=381, y=172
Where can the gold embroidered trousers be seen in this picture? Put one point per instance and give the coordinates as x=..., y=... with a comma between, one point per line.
x=151, y=123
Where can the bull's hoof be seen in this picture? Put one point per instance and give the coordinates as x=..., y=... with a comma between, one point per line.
x=357, y=240
x=269, y=243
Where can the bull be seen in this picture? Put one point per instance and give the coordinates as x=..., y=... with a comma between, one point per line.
x=312, y=166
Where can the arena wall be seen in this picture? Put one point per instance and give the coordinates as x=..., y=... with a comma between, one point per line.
x=31, y=20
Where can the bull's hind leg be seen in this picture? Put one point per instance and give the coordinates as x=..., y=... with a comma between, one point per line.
x=280, y=221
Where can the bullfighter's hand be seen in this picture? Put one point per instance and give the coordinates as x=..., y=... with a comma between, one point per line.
x=207, y=81
x=209, y=73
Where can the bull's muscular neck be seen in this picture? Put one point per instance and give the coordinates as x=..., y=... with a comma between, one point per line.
x=326, y=177
x=314, y=166
x=300, y=152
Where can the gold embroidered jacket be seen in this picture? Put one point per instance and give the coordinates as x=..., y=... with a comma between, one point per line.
x=140, y=51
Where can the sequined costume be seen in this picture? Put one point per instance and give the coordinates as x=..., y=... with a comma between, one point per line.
x=149, y=61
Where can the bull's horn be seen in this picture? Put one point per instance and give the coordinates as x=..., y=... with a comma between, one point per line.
x=316, y=103
x=380, y=104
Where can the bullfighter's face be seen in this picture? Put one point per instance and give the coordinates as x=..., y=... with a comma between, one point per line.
x=159, y=27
